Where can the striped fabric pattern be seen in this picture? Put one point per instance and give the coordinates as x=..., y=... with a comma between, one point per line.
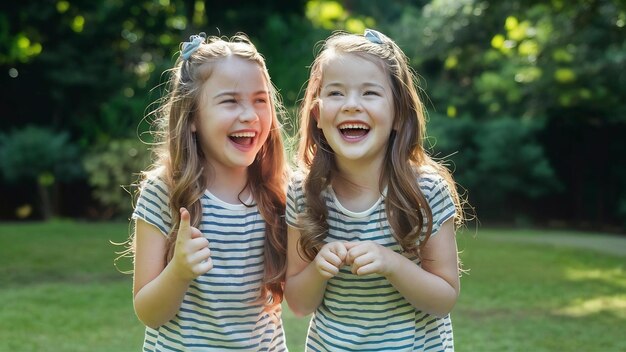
x=218, y=312
x=368, y=313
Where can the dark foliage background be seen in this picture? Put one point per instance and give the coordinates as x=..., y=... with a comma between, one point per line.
x=526, y=99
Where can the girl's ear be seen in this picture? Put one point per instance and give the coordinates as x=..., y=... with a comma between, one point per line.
x=315, y=112
x=193, y=127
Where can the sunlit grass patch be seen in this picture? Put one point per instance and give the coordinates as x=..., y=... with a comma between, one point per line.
x=614, y=276
x=603, y=304
x=60, y=291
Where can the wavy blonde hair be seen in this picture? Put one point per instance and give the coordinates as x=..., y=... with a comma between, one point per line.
x=404, y=155
x=181, y=163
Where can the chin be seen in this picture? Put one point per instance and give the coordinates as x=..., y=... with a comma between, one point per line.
x=244, y=163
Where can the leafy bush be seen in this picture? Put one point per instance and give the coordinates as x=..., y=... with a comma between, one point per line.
x=39, y=155
x=451, y=141
x=111, y=169
x=500, y=162
x=512, y=161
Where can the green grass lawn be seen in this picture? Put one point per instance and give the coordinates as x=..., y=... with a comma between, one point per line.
x=525, y=291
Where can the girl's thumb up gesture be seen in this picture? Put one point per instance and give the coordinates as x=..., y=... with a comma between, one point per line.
x=192, y=256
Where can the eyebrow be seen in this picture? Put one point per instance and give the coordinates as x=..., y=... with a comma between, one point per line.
x=235, y=93
x=366, y=84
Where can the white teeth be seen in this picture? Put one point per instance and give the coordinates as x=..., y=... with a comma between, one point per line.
x=353, y=126
x=243, y=134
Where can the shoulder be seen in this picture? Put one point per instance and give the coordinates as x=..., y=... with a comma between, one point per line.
x=153, y=187
x=296, y=178
x=152, y=205
x=437, y=190
x=295, y=195
x=154, y=179
x=154, y=183
x=430, y=180
x=296, y=184
x=438, y=194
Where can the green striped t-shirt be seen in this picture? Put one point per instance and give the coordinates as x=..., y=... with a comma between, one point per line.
x=367, y=313
x=218, y=312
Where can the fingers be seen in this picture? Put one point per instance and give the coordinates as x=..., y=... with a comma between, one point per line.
x=330, y=259
x=203, y=267
x=333, y=259
x=327, y=270
x=339, y=250
x=350, y=245
x=369, y=268
x=195, y=233
x=365, y=258
x=198, y=247
x=353, y=251
x=192, y=255
x=360, y=262
x=184, y=229
x=202, y=260
x=197, y=244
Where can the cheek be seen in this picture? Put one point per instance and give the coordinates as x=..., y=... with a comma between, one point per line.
x=326, y=119
x=265, y=117
x=325, y=113
x=267, y=123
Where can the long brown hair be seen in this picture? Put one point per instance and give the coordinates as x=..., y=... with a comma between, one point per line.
x=181, y=163
x=406, y=206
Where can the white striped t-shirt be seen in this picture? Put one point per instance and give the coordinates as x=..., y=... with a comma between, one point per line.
x=366, y=313
x=218, y=312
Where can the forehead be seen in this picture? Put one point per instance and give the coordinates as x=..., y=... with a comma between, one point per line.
x=353, y=68
x=236, y=74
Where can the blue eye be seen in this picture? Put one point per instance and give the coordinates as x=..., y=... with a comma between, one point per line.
x=334, y=93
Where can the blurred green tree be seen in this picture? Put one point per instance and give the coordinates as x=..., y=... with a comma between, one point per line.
x=41, y=157
x=91, y=68
x=557, y=63
x=113, y=169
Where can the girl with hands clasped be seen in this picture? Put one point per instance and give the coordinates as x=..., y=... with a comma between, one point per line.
x=210, y=239
x=330, y=258
x=371, y=237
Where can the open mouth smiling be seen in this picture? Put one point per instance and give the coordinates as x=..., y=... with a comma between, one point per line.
x=242, y=138
x=353, y=130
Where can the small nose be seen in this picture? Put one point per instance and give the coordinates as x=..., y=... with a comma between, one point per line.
x=352, y=103
x=248, y=113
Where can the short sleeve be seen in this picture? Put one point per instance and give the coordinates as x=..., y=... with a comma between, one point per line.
x=295, y=200
x=153, y=205
x=439, y=198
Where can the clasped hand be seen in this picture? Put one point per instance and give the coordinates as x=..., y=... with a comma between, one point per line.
x=364, y=257
x=192, y=256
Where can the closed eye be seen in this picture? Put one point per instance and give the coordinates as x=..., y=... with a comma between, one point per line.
x=229, y=101
x=335, y=93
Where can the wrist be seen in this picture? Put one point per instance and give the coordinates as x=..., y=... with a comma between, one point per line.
x=394, y=261
x=178, y=273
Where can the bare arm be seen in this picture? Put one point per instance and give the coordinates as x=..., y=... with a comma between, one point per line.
x=158, y=288
x=306, y=281
x=433, y=287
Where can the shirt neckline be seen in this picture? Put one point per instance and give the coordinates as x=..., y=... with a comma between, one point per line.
x=224, y=204
x=354, y=214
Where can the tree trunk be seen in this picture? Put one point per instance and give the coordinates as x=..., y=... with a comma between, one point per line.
x=44, y=196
